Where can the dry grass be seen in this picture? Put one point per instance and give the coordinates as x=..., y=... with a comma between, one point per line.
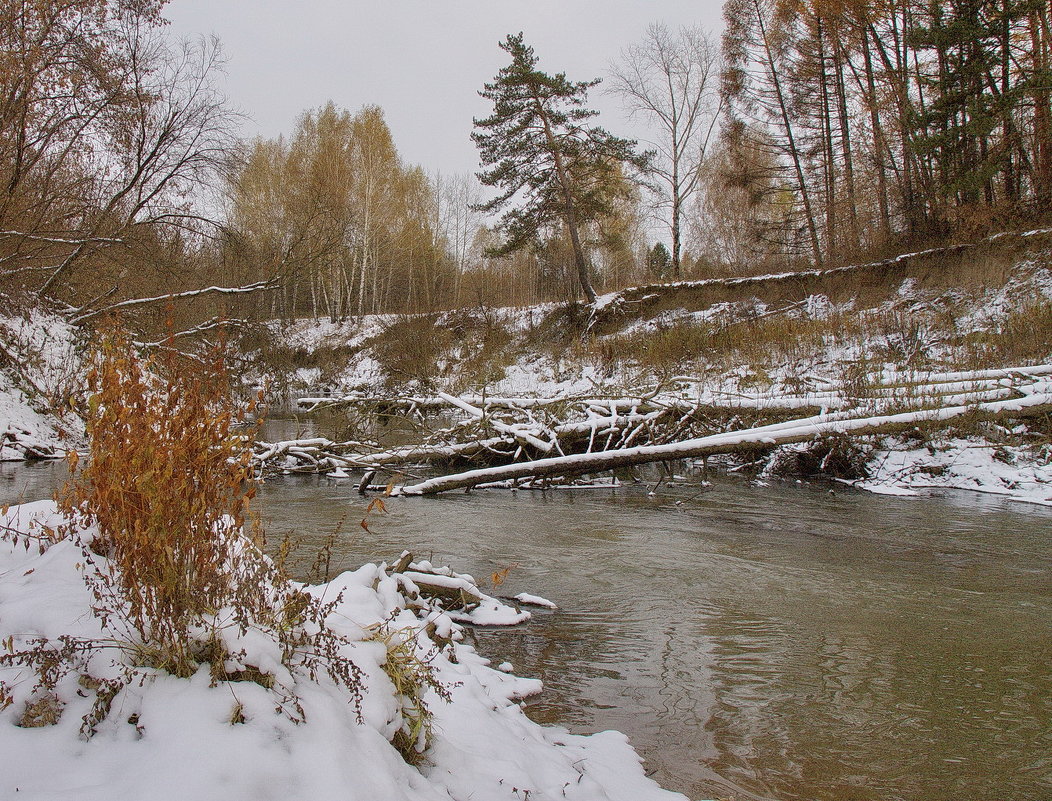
x=763, y=341
x=412, y=349
x=909, y=338
x=42, y=711
x=471, y=345
x=412, y=677
x=1024, y=335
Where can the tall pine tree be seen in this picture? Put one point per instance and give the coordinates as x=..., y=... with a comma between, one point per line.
x=550, y=165
x=976, y=89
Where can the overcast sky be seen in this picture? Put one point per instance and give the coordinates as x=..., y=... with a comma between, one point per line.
x=422, y=61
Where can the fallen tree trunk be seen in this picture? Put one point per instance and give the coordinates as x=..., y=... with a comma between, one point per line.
x=770, y=435
x=320, y=454
x=951, y=387
x=531, y=431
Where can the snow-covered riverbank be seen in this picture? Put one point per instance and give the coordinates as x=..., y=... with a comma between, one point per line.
x=196, y=737
x=39, y=371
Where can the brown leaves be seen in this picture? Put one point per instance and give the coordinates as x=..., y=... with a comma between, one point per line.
x=165, y=483
x=375, y=503
x=498, y=577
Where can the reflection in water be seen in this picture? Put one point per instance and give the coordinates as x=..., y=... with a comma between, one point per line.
x=757, y=643
x=30, y=481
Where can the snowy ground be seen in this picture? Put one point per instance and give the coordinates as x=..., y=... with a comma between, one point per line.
x=900, y=355
x=178, y=738
x=912, y=329
x=1018, y=473
x=41, y=369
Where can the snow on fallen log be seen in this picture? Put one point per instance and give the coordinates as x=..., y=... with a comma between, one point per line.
x=553, y=428
x=613, y=300
x=962, y=387
x=313, y=454
x=18, y=443
x=534, y=600
x=975, y=375
x=456, y=594
x=769, y=435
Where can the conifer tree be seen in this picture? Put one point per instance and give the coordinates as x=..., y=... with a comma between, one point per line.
x=550, y=165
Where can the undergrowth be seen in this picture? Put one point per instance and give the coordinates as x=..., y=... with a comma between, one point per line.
x=165, y=489
x=412, y=677
x=161, y=512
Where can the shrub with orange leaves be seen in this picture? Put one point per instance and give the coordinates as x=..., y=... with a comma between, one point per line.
x=160, y=510
x=165, y=488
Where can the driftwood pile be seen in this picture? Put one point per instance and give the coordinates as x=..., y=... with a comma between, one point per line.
x=499, y=430
x=450, y=591
x=509, y=440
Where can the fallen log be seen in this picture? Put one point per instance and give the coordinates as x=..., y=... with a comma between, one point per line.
x=450, y=590
x=16, y=439
x=512, y=429
x=957, y=387
x=770, y=435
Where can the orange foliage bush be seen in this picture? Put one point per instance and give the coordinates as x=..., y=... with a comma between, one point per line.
x=166, y=487
x=161, y=511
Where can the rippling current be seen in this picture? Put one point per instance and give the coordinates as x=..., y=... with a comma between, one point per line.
x=778, y=642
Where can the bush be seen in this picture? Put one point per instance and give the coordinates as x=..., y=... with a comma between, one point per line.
x=166, y=488
x=160, y=511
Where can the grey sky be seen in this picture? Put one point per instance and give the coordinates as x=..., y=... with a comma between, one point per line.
x=422, y=61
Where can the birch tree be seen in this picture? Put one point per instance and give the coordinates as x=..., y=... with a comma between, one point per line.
x=672, y=81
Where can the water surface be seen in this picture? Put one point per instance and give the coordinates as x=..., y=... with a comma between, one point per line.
x=779, y=642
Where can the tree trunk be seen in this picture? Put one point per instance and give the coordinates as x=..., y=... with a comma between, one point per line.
x=729, y=442
x=794, y=153
x=845, y=143
x=880, y=146
x=1039, y=39
x=580, y=261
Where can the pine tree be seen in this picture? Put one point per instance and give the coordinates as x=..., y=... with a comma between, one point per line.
x=658, y=261
x=550, y=165
x=976, y=90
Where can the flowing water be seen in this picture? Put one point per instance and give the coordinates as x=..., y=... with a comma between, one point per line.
x=779, y=642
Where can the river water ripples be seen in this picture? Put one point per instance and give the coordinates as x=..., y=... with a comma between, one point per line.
x=779, y=642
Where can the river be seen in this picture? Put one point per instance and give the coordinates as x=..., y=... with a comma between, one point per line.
x=776, y=642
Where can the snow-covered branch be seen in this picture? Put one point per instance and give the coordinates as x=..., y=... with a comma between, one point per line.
x=191, y=293
x=769, y=435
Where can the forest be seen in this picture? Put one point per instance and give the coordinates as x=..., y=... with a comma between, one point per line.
x=809, y=134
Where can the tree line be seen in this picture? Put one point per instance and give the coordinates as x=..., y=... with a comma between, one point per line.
x=814, y=132
x=854, y=124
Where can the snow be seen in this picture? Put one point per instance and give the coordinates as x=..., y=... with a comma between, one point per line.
x=1018, y=474
x=43, y=346
x=535, y=375
x=491, y=612
x=534, y=600
x=793, y=430
x=173, y=738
